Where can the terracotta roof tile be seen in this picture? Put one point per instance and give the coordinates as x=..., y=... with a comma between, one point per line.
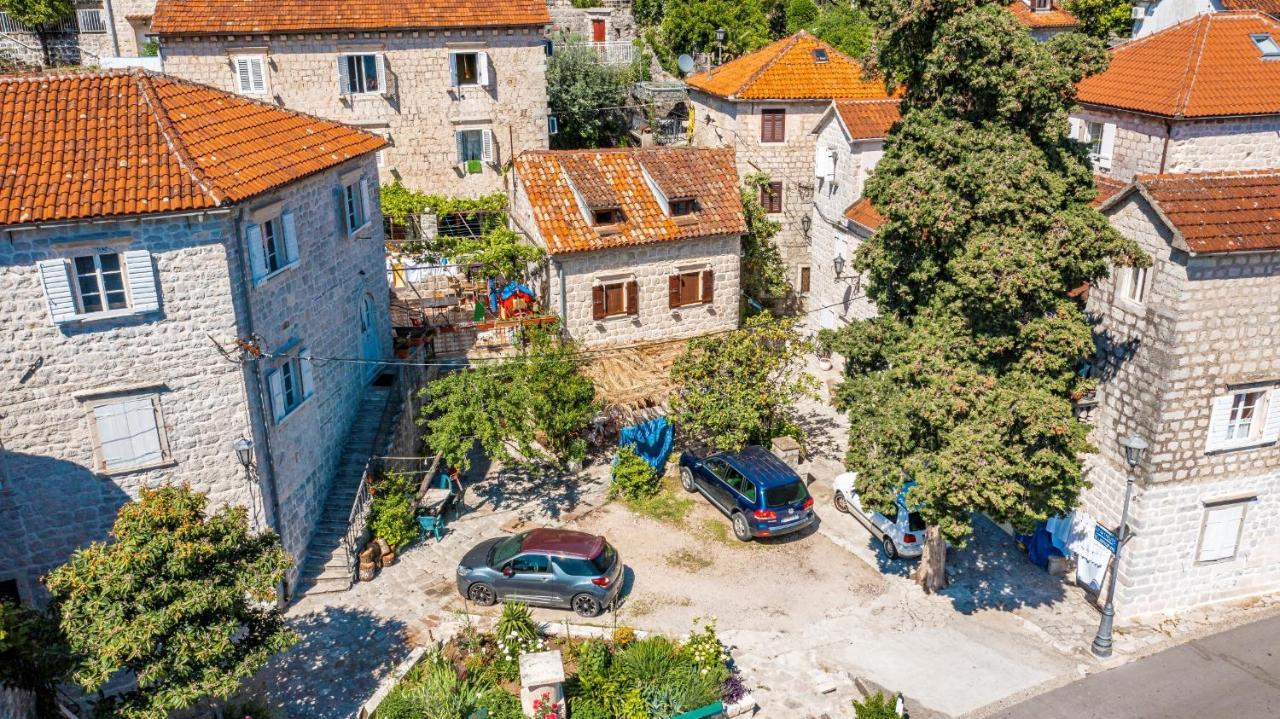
x=868, y=119
x=206, y=17
x=1108, y=187
x=1208, y=66
x=123, y=143
x=1218, y=212
x=864, y=215
x=788, y=70
x=1055, y=17
x=706, y=175
x=1270, y=7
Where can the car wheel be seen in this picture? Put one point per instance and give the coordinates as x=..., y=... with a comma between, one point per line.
x=686, y=479
x=740, y=528
x=585, y=605
x=842, y=504
x=482, y=594
x=890, y=549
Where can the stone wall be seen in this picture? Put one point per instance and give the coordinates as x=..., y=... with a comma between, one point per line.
x=132, y=20
x=618, y=23
x=423, y=110
x=1139, y=143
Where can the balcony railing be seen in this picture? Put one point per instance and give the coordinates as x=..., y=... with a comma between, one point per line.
x=87, y=21
x=90, y=20
x=621, y=52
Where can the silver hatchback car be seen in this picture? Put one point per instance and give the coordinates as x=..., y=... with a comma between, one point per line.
x=548, y=567
x=899, y=536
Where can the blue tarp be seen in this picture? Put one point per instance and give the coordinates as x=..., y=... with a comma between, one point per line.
x=651, y=440
x=1039, y=546
x=514, y=287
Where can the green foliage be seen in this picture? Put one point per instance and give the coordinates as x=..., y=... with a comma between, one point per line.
x=741, y=387
x=496, y=248
x=151, y=48
x=876, y=706
x=183, y=601
x=584, y=4
x=391, y=513
x=501, y=704
x=670, y=504
x=707, y=652
x=253, y=708
x=34, y=13
x=33, y=654
x=843, y=26
x=633, y=477
x=1103, y=19
x=964, y=378
x=690, y=27
x=647, y=13
x=666, y=676
x=764, y=274
x=561, y=399
x=800, y=15
x=500, y=252
x=515, y=633
x=431, y=690
x=586, y=96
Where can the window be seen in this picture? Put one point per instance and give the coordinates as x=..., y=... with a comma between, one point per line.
x=611, y=216
x=771, y=197
x=475, y=147
x=1041, y=5
x=1241, y=418
x=531, y=564
x=277, y=254
x=690, y=288
x=100, y=283
x=273, y=246
x=683, y=207
x=128, y=433
x=99, y=286
x=819, y=55
x=1267, y=45
x=1220, y=530
x=251, y=76
x=1093, y=137
x=290, y=384
x=1134, y=283
x=719, y=468
x=469, y=69
x=1100, y=138
x=360, y=74
x=1243, y=422
x=355, y=205
x=742, y=485
x=614, y=299
x=805, y=275
x=784, y=494
x=773, y=126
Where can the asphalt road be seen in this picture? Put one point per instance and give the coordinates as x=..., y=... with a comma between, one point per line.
x=1233, y=675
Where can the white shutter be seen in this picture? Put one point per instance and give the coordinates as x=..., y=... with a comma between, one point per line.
x=821, y=158
x=368, y=199
x=344, y=77
x=308, y=376
x=144, y=295
x=57, y=290
x=113, y=435
x=482, y=69
x=257, y=255
x=1108, y=146
x=453, y=69
x=1076, y=128
x=381, y=63
x=275, y=387
x=1221, y=530
x=290, y=237
x=244, y=77
x=1271, y=425
x=1218, y=419
x=257, y=74
x=461, y=142
x=487, y=151
x=144, y=436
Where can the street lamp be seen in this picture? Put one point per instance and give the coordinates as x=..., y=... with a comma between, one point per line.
x=244, y=452
x=1134, y=448
x=719, y=45
x=838, y=265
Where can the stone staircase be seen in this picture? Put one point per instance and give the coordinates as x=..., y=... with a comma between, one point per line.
x=330, y=565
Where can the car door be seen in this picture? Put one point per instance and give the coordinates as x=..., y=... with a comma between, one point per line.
x=716, y=478
x=528, y=578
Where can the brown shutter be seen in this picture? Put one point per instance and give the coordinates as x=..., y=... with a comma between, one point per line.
x=633, y=298
x=780, y=127
x=804, y=280
x=708, y=285
x=673, y=291
x=775, y=197
x=597, y=302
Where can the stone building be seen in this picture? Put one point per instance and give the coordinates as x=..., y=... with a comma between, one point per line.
x=609, y=27
x=457, y=87
x=765, y=105
x=1155, y=15
x=643, y=244
x=82, y=39
x=1189, y=359
x=1203, y=95
x=849, y=143
x=150, y=225
x=1043, y=18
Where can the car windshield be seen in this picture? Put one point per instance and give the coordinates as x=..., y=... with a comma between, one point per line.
x=604, y=559
x=506, y=549
x=915, y=522
x=785, y=494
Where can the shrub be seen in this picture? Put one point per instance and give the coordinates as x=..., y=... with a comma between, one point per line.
x=647, y=661
x=707, y=652
x=402, y=703
x=633, y=477
x=622, y=636
x=876, y=706
x=253, y=708
x=592, y=655
x=501, y=704
x=391, y=511
x=516, y=633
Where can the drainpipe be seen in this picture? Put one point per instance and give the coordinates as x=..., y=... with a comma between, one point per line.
x=564, y=302
x=1164, y=151
x=111, y=26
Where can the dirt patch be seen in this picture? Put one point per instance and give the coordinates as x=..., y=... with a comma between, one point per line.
x=688, y=560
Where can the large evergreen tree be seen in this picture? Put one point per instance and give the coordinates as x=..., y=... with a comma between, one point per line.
x=963, y=381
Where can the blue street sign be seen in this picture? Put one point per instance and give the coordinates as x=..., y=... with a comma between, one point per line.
x=1106, y=537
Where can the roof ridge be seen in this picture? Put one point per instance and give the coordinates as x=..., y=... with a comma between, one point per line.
x=173, y=137
x=782, y=50
x=1211, y=175
x=1196, y=50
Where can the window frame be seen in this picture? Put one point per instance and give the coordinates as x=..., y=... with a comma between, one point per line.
x=354, y=206
x=250, y=58
x=804, y=279
x=152, y=396
x=297, y=377
x=1133, y=288
x=1209, y=507
x=458, y=67
x=357, y=61
x=698, y=277
x=274, y=246
x=460, y=136
x=612, y=215
x=105, y=309
x=774, y=130
x=620, y=288
x=687, y=206
x=1256, y=420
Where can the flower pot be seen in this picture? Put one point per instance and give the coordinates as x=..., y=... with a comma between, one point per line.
x=824, y=364
x=402, y=352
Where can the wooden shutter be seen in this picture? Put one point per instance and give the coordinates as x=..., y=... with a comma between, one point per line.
x=308, y=375
x=344, y=76
x=633, y=298
x=1108, y=146
x=290, y=238
x=773, y=125
x=461, y=142
x=244, y=78
x=1218, y=418
x=113, y=435
x=275, y=389
x=258, y=74
x=340, y=206
x=486, y=152
x=380, y=62
x=257, y=256
x=708, y=286
x=144, y=295
x=775, y=197
x=482, y=69
x=144, y=435
x=1271, y=425
x=673, y=291
x=805, y=276
x=1221, y=531
x=453, y=69
x=57, y=290
x=597, y=302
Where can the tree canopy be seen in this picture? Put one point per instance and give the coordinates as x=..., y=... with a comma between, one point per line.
x=839, y=24
x=33, y=655
x=690, y=27
x=183, y=602
x=1103, y=19
x=964, y=380
x=586, y=96
x=764, y=274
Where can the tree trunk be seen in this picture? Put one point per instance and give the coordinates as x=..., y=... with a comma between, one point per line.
x=932, y=572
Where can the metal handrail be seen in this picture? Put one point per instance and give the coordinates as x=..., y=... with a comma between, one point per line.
x=360, y=507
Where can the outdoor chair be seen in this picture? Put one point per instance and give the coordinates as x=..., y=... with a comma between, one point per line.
x=430, y=524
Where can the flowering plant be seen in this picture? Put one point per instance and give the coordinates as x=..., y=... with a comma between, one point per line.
x=544, y=708
x=705, y=648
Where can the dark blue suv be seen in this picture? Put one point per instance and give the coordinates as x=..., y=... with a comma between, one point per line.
x=761, y=495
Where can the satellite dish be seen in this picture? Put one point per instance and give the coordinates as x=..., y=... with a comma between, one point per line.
x=686, y=64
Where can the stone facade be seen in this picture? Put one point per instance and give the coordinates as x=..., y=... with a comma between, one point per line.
x=1203, y=329
x=619, y=25
x=56, y=495
x=721, y=122
x=421, y=110
x=132, y=19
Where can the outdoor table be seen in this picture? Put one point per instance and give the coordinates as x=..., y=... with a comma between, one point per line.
x=433, y=498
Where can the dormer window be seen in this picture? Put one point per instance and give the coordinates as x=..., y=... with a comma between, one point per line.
x=611, y=216
x=820, y=55
x=1267, y=45
x=1042, y=5
x=683, y=207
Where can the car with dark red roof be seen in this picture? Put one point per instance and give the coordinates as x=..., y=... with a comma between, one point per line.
x=547, y=567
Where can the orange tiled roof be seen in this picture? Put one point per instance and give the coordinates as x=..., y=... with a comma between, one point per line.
x=206, y=17
x=787, y=70
x=1207, y=66
x=614, y=179
x=862, y=213
x=1108, y=187
x=1217, y=212
x=1054, y=17
x=80, y=146
x=868, y=119
x=1270, y=7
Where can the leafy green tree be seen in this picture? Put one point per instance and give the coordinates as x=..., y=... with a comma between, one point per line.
x=39, y=15
x=964, y=379
x=689, y=27
x=34, y=657
x=647, y=13
x=801, y=15
x=498, y=250
x=184, y=602
x=844, y=27
x=586, y=96
x=764, y=275
x=741, y=387
x=1103, y=19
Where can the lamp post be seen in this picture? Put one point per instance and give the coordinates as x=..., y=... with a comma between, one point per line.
x=1134, y=447
x=244, y=453
x=838, y=265
x=719, y=45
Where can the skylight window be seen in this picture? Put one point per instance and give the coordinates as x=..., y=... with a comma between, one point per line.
x=1268, y=45
x=819, y=55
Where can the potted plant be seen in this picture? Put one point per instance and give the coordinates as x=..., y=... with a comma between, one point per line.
x=402, y=348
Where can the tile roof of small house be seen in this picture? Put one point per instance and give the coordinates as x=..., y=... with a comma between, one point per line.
x=89, y=145
x=789, y=70
x=1054, y=17
x=1215, y=212
x=868, y=119
x=1107, y=187
x=1270, y=7
x=1208, y=66
x=208, y=17
x=707, y=175
x=863, y=214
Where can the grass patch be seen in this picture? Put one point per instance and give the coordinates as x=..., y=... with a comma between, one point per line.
x=719, y=531
x=688, y=561
x=669, y=505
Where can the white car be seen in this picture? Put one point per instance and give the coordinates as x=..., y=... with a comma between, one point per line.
x=902, y=536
